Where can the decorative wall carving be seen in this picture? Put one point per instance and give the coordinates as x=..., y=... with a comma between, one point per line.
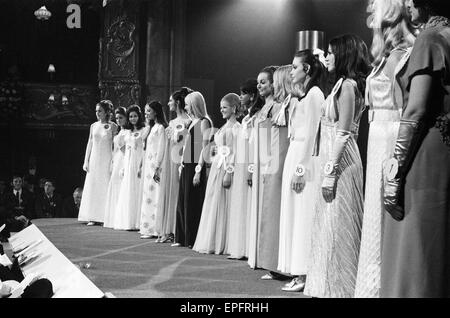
x=119, y=54
x=122, y=92
x=120, y=48
x=39, y=111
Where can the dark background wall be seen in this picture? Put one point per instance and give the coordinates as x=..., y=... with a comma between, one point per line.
x=228, y=41
x=222, y=43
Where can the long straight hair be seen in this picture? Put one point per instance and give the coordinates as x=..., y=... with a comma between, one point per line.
x=160, y=117
x=351, y=59
x=250, y=86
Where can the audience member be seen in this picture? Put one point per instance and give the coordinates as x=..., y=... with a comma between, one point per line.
x=49, y=203
x=71, y=205
x=18, y=209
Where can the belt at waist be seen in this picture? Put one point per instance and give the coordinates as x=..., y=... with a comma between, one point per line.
x=384, y=115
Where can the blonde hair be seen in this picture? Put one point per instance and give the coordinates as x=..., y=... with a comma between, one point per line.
x=391, y=27
x=197, y=103
x=282, y=83
x=233, y=100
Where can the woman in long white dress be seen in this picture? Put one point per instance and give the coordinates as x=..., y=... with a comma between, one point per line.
x=241, y=191
x=130, y=196
x=97, y=165
x=392, y=38
x=212, y=230
x=116, y=168
x=170, y=182
x=301, y=170
x=154, y=156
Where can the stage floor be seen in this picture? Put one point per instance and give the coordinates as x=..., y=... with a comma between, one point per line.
x=129, y=267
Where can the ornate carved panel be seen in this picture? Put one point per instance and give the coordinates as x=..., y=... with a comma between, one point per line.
x=119, y=54
x=122, y=92
x=71, y=106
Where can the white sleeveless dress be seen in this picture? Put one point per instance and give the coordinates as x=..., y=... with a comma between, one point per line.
x=92, y=206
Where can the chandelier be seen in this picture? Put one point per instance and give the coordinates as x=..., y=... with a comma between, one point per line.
x=42, y=13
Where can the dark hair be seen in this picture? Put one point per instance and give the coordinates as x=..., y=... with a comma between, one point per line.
x=434, y=7
x=179, y=95
x=107, y=106
x=269, y=70
x=16, y=175
x=121, y=111
x=250, y=87
x=317, y=71
x=52, y=182
x=160, y=117
x=351, y=59
x=140, y=122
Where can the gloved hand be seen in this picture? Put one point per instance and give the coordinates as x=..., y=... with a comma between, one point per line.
x=398, y=167
x=329, y=188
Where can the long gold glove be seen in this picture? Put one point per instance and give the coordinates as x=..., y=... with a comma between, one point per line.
x=397, y=168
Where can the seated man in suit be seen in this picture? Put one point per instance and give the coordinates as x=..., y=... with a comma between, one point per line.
x=18, y=210
x=49, y=203
x=71, y=204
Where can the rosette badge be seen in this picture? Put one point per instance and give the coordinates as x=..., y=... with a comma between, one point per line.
x=42, y=13
x=224, y=151
x=179, y=128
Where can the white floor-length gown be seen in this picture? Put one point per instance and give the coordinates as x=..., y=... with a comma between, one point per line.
x=128, y=210
x=154, y=155
x=98, y=157
x=297, y=209
x=116, y=179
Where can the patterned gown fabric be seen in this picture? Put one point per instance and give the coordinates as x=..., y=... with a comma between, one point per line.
x=336, y=229
x=384, y=119
x=128, y=213
x=154, y=155
x=92, y=206
x=116, y=179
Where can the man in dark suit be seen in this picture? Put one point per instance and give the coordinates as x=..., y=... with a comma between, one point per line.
x=49, y=203
x=71, y=205
x=18, y=210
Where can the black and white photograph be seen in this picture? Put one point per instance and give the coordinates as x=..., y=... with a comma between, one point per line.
x=223, y=154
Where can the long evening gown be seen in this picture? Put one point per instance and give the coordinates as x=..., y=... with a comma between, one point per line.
x=297, y=209
x=170, y=179
x=240, y=194
x=384, y=119
x=190, y=197
x=128, y=211
x=260, y=142
x=336, y=229
x=269, y=229
x=212, y=230
x=154, y=156
x=415, y=259
x=98, y=156
x=116, y=179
